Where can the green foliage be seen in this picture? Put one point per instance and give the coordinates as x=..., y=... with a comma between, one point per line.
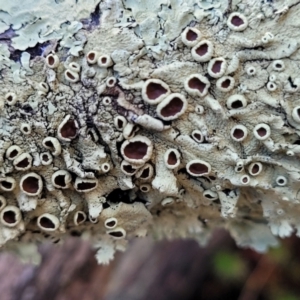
x=229, y=266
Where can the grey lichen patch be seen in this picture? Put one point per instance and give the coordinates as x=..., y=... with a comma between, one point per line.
x=163, y=120
x=48, y=20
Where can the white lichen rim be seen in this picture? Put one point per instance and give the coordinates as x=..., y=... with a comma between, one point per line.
x=267, y=38
x=111, y=223
x=3, y=202
x=239, y=133
x=218, y=187
x=262, y=135
x=271, y=86
x=251, y=71
x=117, y=233
x=210, y=195
x=281, y=181
x=195, y=135
x=164, y=110
x=105, y=61
x=111, y=81
x=93, y=220
x=296, y=114
x=56, y=146
x=17, y=216
x=49, y=158
x=188, y=42
x=206, y=56
x=11, y=98
x=92, y=57
x=79, y=217
x=34, y=188
x=14, y=149
x=52, y=222
x=145, y=156
x=63, y=175
x=7, y=184
x=245, y=180
x=105, y=167
x=52, y=61
x=167, y=201
x=91, y=184
x=202, y=163
x=269, y=35
x=181, y=193
x=71, y=76
x=280, y=211
x=20, y=158
x=145, y=188
x=43, y=87
x=167, y=158
x=255, y=168
x=264, y=39
x=106, y=100
x=272, y=77
x=120, y=122
x=221, y=71
x=74, y=67
x=145, y=168
x=64, y=122
x=155, y=100
x=221, y=81
x=278, y=65
x=238, y=169
x=25, y=128
x=132, y=168
x=240, y=16
x=129, y=130
x=240, y=163
x=236, y=101
x=199, y=86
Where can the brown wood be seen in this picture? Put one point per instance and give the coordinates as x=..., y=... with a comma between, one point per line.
x=147, y=270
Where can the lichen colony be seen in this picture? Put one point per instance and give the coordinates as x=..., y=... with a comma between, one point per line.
x=121, y=119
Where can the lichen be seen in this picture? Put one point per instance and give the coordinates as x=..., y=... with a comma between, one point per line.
x=167, y=119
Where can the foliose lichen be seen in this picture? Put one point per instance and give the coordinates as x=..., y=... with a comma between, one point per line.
x=168, y=119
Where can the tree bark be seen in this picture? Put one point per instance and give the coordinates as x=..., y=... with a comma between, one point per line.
x=147, y=270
